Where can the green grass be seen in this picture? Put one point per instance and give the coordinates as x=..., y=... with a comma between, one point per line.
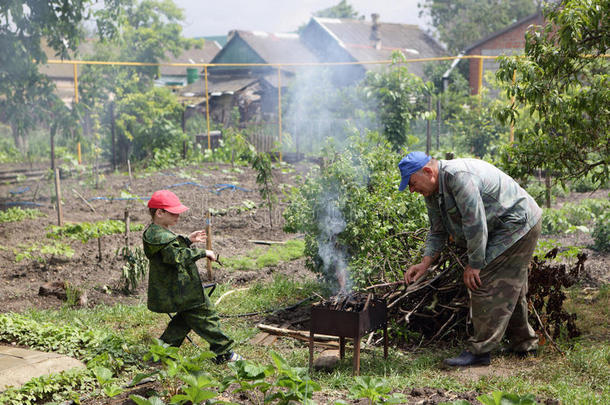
x=259, y=257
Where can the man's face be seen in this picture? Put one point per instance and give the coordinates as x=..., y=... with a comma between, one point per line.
x=423, y=182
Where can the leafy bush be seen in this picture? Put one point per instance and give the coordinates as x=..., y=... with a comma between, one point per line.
x=601, y=234
x=351, y=213
x=574, y=216
x=38, y=252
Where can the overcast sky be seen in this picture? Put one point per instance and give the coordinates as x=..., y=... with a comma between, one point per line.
x=206, y=18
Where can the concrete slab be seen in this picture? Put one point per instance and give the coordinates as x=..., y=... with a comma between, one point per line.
x=18, y=366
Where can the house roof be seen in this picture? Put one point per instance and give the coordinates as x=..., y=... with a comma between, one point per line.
x=193, y=55
x=496, y=34
x=357, y=39
x=270, y=48
x=60, y=71
x=227, y=83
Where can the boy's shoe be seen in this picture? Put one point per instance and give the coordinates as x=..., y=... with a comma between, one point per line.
x=467, y=358
x=227, y=358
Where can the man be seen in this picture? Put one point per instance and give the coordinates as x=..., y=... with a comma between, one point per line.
x=488, y=213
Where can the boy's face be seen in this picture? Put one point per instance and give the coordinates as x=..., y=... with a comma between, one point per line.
x=165, y=219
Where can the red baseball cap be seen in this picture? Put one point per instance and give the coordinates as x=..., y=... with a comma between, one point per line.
x=167, y=201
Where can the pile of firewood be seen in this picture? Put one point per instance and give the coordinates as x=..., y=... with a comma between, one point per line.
x=436, y=307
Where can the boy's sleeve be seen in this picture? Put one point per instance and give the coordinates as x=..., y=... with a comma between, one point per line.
x=176, y=253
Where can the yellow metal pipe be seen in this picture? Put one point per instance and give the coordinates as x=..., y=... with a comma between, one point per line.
x=80, y=160
x=75, y=69
x=372, y=62
x=480, y=75
x=207, y=105
x=279, y=108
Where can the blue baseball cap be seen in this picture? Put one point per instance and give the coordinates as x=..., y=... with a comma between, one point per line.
x=409, y=165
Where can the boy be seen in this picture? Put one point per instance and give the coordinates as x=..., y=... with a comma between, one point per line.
x=173, y=281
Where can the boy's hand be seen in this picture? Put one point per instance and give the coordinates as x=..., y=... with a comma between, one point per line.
x=198, y=236
x=210, y=255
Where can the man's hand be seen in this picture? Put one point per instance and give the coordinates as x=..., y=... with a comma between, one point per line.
x=471, y=278
x=415, y=272
x=198, y=236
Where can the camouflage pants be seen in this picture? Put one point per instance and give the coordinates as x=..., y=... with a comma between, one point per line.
x=204, y=321
x=499, y=306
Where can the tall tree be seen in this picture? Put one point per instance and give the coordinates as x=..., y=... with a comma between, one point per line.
x=26, y=96
x=341, y=10
x=460, y=23
x=563, y=82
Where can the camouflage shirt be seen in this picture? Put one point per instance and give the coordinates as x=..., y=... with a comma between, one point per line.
x=173, y=282
x=482, y=208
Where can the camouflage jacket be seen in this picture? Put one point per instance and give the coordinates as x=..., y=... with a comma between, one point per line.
x=173, y=281
x=482, y=208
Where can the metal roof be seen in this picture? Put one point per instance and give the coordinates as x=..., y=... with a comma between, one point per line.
x=274, y=47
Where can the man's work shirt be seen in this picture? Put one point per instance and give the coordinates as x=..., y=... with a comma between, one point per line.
x=481, y=207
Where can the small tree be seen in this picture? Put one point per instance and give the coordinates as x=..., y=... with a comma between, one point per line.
x=563, y=83
x=395, y=94
x=261, y=162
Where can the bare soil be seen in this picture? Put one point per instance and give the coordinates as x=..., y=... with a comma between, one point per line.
x=214, y=186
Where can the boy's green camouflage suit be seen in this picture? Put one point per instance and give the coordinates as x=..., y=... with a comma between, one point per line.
x=489, y=214
x=174, y=285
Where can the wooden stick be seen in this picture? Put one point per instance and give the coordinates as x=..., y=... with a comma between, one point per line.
x=297, y=334
x=266, y=242
x=129, y=169
x=127, y=221
x=99, y=246
x=384, y=285
x=83, y=198
x=208, y=242
x=368, y=301
x=229, y=292
x=60, y=216
x=546, y=333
